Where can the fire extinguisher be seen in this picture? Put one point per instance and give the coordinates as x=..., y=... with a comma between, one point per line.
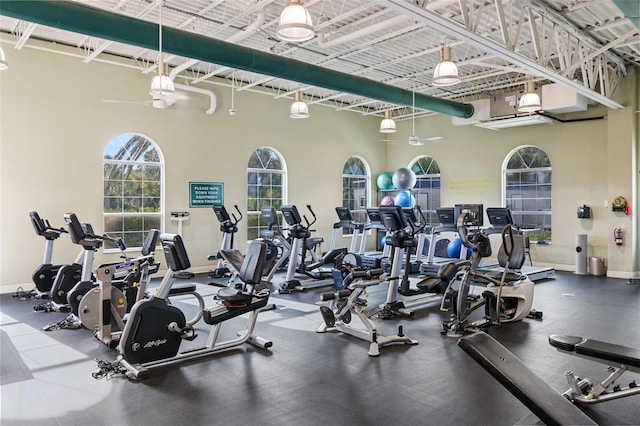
x=617, y=235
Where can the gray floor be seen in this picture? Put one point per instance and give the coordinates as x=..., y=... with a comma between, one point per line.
x=310, y=379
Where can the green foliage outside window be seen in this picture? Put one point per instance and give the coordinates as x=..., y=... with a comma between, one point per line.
x=266, y=179
x=132, y=188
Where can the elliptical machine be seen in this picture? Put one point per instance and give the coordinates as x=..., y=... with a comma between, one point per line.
x=401, y=236
x=228, y=227
x=45, y=275
x=508, y=296
x=278, y=244
x=156, y=329
x=302, y=243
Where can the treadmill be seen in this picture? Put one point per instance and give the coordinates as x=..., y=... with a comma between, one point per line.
x=447, y=219
x=499, y=217
x=373, y=259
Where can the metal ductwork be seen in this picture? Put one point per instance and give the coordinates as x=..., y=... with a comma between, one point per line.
x=86, y=20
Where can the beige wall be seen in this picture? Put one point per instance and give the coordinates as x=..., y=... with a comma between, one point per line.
x=54, y=126
x=593, y=162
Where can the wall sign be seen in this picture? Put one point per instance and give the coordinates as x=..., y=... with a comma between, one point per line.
x=206, y=194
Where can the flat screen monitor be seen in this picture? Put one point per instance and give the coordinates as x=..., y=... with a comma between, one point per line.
x=344, y=214
x=175, y=253
x=446, y=216
x=499, y=217
x=374, y=215
x=410, y=215
x=474, y=214
x=269, y=216
x=221, y=214
x=392, y=217
x=291, y=215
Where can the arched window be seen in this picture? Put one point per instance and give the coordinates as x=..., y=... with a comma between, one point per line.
x=527, y=189
x=356, y=183
x=427, y=189
x=266, y=186
x=133, y=170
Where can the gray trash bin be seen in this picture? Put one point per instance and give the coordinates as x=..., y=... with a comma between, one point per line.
x=596, y=266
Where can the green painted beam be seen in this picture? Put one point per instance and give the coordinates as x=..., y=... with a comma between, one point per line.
x=86, y=20
x=631, y=10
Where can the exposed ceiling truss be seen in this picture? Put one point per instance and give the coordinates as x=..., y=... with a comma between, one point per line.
x=498, y=45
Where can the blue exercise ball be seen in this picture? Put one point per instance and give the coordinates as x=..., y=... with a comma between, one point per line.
x=454, y=247
x=404, y=178
x=384, y=182
x=404, y=199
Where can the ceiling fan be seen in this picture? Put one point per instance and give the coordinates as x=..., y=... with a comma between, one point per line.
x=164, y=101
x=413, y=139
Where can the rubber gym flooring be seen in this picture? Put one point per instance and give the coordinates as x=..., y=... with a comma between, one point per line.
x=308, y=378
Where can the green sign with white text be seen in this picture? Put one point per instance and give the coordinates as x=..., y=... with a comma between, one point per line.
x=206, y=194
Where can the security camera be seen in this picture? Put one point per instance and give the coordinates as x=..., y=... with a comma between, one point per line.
x=232, y=111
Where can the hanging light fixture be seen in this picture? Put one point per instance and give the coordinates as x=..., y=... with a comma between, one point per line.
x=446, y=72
x=3, y=61
x=295, y=23
x=387, y=125
x=161, y=85
x=299, y=109
x=530, y=101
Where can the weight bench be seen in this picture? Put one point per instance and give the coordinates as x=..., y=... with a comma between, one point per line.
x=618, y=358
x=548, y=405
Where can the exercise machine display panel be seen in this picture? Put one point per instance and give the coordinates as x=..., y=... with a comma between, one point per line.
x=499, y=217
x=475, y=214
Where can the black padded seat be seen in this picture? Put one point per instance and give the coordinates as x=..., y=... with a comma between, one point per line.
x=597, y=349
x=182, y=288
x=543, y=401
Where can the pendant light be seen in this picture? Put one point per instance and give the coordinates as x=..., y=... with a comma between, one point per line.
x=161, y=85
x=299, y=109
x=295, y=23
x=387, y=125
x=446, y=72
x=3, y=61
x=530, y=101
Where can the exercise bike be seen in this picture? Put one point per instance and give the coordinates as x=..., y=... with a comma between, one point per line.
x=68, y=276
x=155, y=330
x=83, y=235
x=337, y=314
x=45, y=275
x=508, y=295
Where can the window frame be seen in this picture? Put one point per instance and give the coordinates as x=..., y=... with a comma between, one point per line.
x=253, y=214
x=367, y=186
x=133, y=163
x=544, y=237
x=431, y=216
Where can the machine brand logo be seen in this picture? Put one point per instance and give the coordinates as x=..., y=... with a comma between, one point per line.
x=122, y=266
x=155, y=343
x=135, y=346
